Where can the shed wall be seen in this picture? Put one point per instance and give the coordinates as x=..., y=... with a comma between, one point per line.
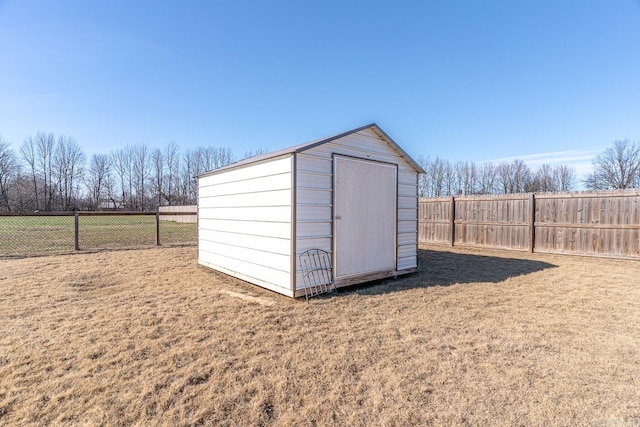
x=245, y=223
x=314, y=196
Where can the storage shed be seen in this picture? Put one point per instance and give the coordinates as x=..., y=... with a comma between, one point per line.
x=354, y=195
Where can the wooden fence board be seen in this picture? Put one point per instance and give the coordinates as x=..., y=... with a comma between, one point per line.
x=500, y=222
x=434, y=219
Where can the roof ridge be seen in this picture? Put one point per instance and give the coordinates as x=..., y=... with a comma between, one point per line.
x=314, y=143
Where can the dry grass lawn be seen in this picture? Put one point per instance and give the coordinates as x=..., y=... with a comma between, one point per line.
x=476, y=337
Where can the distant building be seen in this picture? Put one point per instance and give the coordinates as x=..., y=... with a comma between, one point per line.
x=110, y=205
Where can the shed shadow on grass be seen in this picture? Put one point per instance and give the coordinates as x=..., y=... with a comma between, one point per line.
x=443, y=268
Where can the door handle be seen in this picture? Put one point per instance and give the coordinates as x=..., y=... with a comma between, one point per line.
x=338, y=216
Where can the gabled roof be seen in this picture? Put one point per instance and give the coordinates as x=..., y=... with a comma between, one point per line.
x=308, y=145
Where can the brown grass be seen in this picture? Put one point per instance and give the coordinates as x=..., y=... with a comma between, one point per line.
x=475, y=338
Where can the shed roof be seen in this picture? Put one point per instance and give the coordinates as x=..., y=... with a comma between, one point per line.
x=308, y=145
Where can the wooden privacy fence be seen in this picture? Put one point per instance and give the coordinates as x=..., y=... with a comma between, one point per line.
x=187, y=213
x=583, y=223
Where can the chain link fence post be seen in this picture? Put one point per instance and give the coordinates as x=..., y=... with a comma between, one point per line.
x=157, y=228
x=76, y=228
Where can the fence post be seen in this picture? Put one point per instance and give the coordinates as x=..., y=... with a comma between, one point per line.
x=76, y=228
x=452, y=214
x=157, y=228
x=532, y=222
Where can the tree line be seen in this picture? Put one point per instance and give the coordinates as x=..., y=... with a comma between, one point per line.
x=617, y=168
x=444, y=178
x=49, y=173
x=52, y=173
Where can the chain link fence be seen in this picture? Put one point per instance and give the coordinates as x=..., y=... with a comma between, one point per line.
x=36, y=234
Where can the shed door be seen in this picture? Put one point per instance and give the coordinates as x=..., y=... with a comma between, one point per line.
x=364, y=216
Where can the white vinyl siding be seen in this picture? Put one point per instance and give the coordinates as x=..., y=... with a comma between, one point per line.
x=245, y=211
x=314, y=198
x=244, y=224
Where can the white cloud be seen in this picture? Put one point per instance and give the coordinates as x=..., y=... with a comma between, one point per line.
x=578, y=159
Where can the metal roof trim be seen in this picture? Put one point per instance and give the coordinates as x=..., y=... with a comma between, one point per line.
x=311, y=144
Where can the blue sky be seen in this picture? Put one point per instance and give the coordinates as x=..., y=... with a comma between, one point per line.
x=545, y=81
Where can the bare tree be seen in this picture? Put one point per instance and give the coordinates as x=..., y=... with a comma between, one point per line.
x=617, y=167
x=45, y=144
x=37, y=152
x=514, y=177
x=141, y=168
x=258, y=152
x=549, y=178
x=433, y=181
x=450, y=181
x=213, y=158
x=503, y=177
x=28, y=153
x=68, y=163
x=195, y=162
x=423, y=181
x=172, y=163
x=472, y=178
x=23, y=199
x=9, y=169
x=543, y=179
x=223, y=157
x=157, y=164
x=204, y=159
x=522, y=176
x=122, y=162
x=436, y=176
x=96, y=178
x=487, y=178
x=110, y=191
x=190, y=166
x=592, y=182
x=564, y=177
x=467, y=177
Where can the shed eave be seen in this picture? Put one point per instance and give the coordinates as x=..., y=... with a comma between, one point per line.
x=398, y=148
x=242, y=163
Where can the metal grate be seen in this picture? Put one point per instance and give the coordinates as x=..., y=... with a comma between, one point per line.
x=317, y=272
